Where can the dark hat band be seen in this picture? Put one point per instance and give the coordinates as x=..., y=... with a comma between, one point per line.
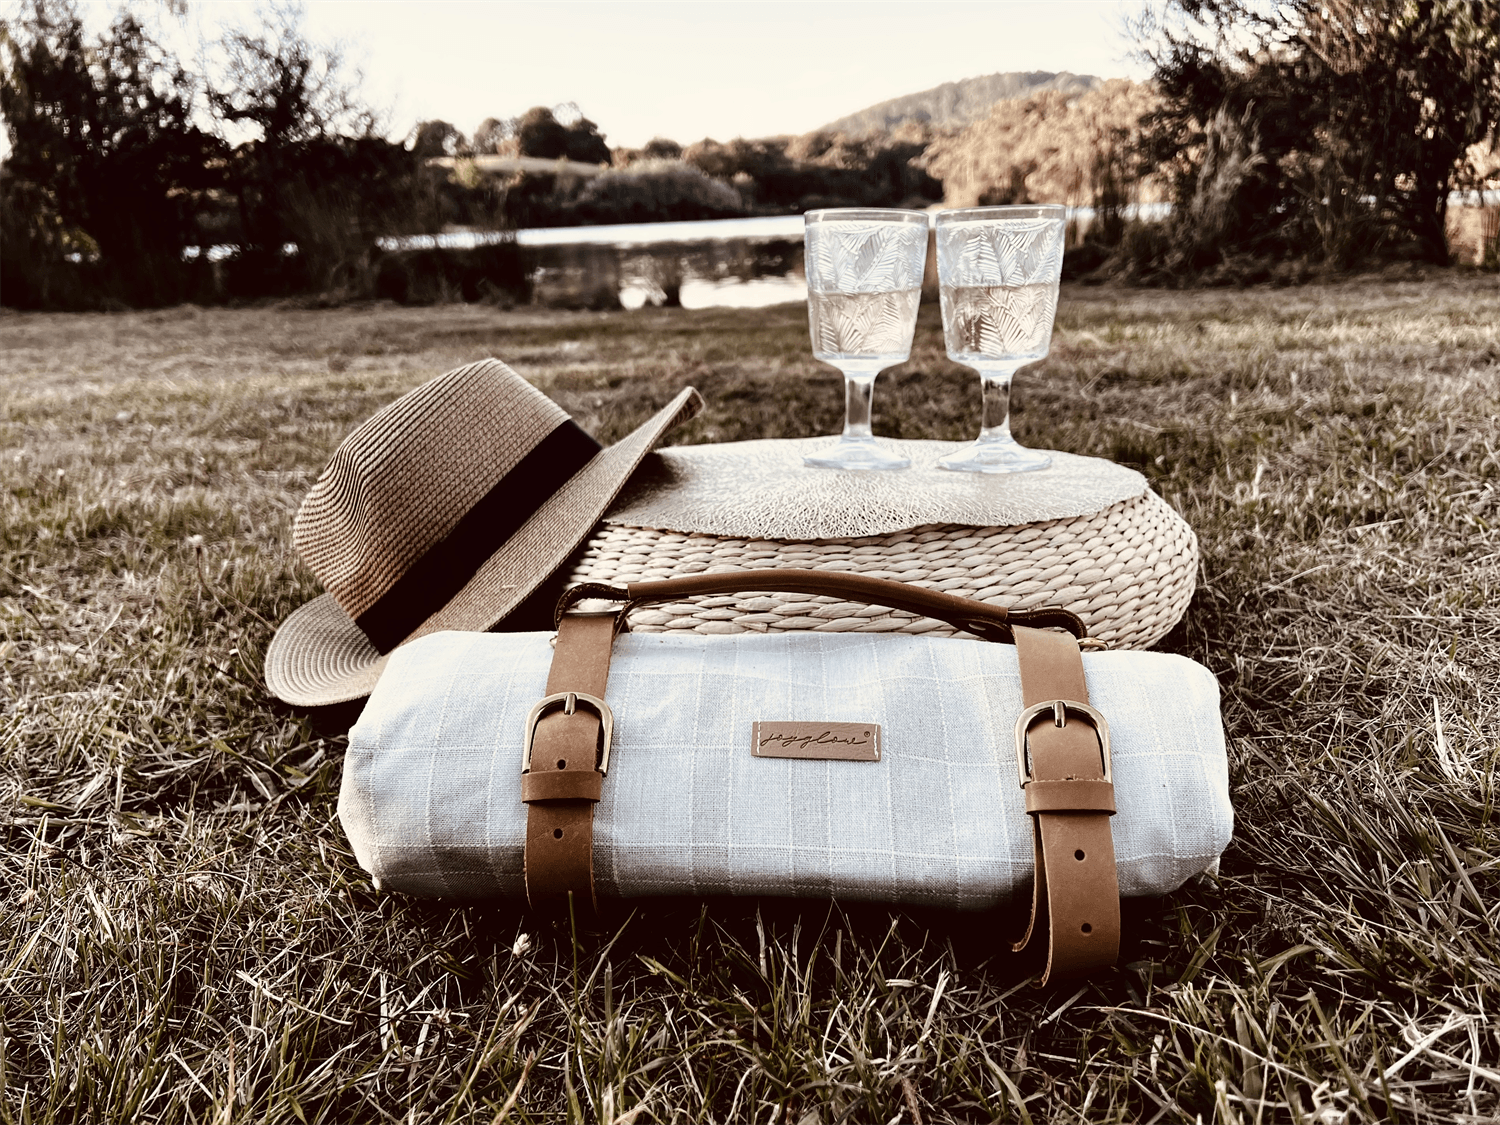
x=434, y=579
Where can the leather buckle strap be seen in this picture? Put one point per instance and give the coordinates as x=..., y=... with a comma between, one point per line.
x=1065, y=767
x=1067, y=771
x=564, y=759
x=1059, y=709
x=569, y=701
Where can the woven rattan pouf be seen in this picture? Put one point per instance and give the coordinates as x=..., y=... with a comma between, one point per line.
x=1127, y=568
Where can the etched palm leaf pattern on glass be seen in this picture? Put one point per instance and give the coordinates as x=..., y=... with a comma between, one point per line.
x=998, y=269
x=999, y=287
x=863, y=257
x=864, y=282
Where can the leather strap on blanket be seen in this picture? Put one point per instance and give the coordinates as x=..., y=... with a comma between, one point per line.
x=1065, y=771
x=1063, y=757
x=565, y=775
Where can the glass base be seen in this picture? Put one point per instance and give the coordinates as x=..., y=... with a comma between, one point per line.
x=994, y=457
x=845, y=454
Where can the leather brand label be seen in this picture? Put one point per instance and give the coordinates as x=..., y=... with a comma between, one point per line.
x=846, y=742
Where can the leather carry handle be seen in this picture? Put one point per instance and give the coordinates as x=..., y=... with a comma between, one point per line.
x=988, y=622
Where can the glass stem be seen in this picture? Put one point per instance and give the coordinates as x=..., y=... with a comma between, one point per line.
x=994, y=417
x=859, y=396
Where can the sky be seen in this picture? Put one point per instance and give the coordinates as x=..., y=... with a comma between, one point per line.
x=682, y=70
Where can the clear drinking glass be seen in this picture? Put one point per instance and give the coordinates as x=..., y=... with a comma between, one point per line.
x=864, y=282
x=998, y=269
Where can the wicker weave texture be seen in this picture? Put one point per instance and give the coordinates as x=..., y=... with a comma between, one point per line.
x=404, y=478
x=1128, y=571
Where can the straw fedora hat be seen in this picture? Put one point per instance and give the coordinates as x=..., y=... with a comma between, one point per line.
x=444, y=510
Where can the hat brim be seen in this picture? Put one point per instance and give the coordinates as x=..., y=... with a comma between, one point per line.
x=319, y=656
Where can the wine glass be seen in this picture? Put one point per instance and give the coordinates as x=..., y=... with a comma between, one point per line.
x=998, y=269
x=864, y=282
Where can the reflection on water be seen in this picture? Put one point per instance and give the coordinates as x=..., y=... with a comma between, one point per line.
x=740, y=272
x=742, y=263
x=753, y=294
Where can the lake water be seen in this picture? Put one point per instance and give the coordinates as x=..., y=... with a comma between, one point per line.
x=717, y=263
x=721, y=263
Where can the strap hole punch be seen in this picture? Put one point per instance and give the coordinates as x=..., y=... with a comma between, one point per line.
x=557, y=833
x=1086, y=928
x=562, y=763
x=1078, y=855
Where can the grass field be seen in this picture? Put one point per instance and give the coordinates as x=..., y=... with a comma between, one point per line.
x=184, y=936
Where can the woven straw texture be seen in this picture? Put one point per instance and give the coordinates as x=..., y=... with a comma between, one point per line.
x=320, y=656
x=400, y=482
x=1128, y=571
x=762, y=490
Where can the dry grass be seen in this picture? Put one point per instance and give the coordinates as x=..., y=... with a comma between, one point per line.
x=185, y=938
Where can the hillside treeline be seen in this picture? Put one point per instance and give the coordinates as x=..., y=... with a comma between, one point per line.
x=1053, y=147
x=664, y=180
x=954, y=105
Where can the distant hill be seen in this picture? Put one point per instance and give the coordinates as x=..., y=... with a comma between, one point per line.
x=960, y=103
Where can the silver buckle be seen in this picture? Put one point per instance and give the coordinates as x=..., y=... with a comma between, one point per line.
x=1060, y=709
x=568, y=701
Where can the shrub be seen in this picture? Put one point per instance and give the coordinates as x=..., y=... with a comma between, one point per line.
x=656, y=191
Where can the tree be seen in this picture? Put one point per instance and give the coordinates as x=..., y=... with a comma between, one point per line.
x=105, y=157
x=540, y=134
x=661, y=148
x=436, y=138
x=317, y=176
x=586, y=144
x=492, y=133
x=286, y=87
x=1340, y=125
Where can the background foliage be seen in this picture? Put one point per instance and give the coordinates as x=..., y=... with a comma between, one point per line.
x=1326, y=130
x=1287, y=140
x=112, y=174
x=106, y=163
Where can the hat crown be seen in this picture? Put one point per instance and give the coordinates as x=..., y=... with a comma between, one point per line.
x=404, y=479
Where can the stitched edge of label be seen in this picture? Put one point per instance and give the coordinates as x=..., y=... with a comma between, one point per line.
x=843, y=742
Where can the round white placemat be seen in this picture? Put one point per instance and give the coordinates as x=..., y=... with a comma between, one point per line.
x=761, y=489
